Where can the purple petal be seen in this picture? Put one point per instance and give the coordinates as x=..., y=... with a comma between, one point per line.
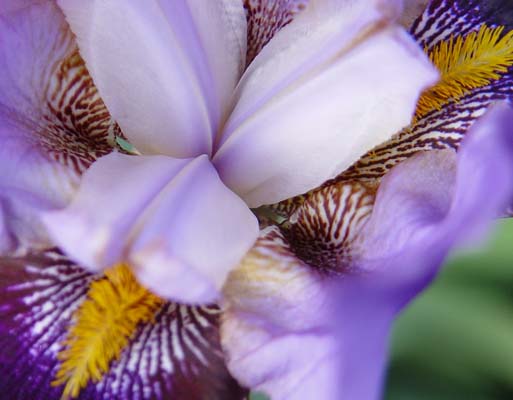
x=46, y=137
x=6, y=241
x=334, y=83
x=442, y=19
x=29, y=179
x=9, y=6
x=166, y=69
x=177, y=356
x=173, y=220
x=30, y=183
x=437, y=200
x=292, y=332
x=288, y=328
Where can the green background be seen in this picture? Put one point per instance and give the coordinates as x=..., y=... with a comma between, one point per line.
x=456, y=340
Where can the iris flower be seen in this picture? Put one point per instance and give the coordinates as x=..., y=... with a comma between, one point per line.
x=145, y=143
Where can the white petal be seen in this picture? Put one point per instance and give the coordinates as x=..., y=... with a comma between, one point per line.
x=195, y=232
x=173, y=220
x=318, y=96
x=166, y=69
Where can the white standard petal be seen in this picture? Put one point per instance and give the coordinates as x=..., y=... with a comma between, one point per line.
x=114, y=192
x=173, y=220
x=309, y=109
x=165, y=69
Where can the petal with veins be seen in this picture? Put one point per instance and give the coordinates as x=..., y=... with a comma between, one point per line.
x=276, y=305
x=292, y=332
x=172, y=219
x=444, y=18
x=325, y=229
x=166, y=69
x=329, y=86
x=446, y=127
x=176, y=355
x=265, y=18
x=47, y=139
x=436, y=198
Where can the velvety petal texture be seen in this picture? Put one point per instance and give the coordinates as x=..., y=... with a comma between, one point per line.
x=277, y=305
x=166, y=69
x=52, y=122
x=338, y=80
x=176, y=355
x=172, y=220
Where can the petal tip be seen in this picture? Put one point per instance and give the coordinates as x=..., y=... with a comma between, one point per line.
x=167, y=276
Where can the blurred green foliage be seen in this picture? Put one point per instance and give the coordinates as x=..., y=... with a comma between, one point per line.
x=455, y=342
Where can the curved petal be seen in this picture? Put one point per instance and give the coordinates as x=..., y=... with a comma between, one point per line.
x=337, y=81
x=30, y=182
x=292, y=332
x=176, y=355
x=445, y=126
x=437, y=199
x=53, y=124
x=288, y=327
x=172, y=220
x=166, y=69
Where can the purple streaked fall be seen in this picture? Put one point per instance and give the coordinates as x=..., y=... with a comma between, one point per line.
x=199, y=198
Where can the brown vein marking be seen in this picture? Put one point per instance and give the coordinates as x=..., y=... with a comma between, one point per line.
x=436, y=130
x=78, y=128
x=265, y=18
x=268, y=267
x=324, y=231
x=439, y=130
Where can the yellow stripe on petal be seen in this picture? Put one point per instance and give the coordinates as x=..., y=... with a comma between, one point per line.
x=102, y=327
x=466, y=63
